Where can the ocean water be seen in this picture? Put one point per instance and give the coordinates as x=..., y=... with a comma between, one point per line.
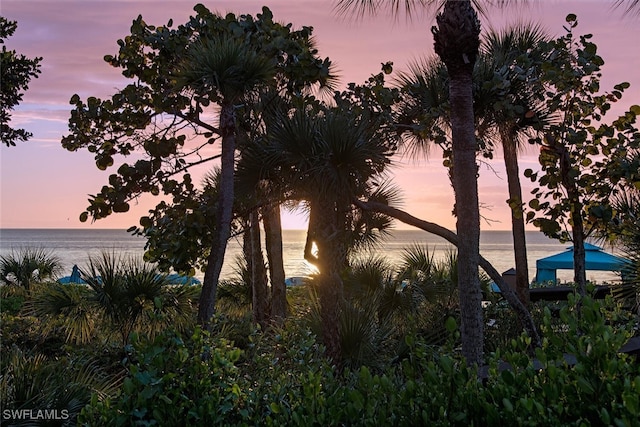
x=75, y=246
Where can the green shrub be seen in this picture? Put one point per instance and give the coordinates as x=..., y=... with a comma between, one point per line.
x=599, y=386
x=173, y=381
x=28, y=266
x=577, y=378
x=33, y=381
x=11, y=304
x=122, y=295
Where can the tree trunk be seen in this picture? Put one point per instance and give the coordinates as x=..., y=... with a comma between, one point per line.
x=257, y=272
x=215, y=259
x=273, y=241
x=456, y=41
x=508, y=293
x=330, y=287
x=577, y=224
x=509, y=149
x=465, y=184
x=579, y=261
x=313, y=225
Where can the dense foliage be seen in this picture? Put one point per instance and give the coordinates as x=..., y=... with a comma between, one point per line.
x=284, y=379
x=585, y=160
x=16, y=71
x=366, y=343
x=121, y=295
x=402, y=364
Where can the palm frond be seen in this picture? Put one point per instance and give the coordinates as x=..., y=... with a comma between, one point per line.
x=416, y=261
x=364, y=339
x=517, y=39
x=423, y=110
x=395, y=8
x=632, y=6
x=71, y=305
x=32, y=381
x=507, y=93
x=434, y=279
x=367, y=276
x=224, y=66
x=26, y=266
x=411, y=9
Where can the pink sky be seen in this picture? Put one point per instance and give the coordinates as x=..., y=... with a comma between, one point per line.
x=44, y=186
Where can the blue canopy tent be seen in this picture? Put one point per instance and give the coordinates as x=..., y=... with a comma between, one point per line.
x=74, y=278
x=179, y=279
x=595, y=259
x=173, y=279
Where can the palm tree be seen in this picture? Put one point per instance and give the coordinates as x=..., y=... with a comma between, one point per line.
x=264, y=192
x=327, y=157
x=505, y=72
x=256, y=269
x=227, y=70
x=125, y=295
x=507, y=53
x=233, y=70
x=274, y=248
x=456, y=41
x=28, y=266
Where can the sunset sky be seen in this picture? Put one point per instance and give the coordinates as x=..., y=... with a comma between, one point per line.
x=44, y=186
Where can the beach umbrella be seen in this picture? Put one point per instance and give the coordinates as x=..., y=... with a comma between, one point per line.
x=179, y=279
x=74, y=278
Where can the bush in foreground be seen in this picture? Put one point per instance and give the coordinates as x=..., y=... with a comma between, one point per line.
x=578, y=378
x=174, y=382
x=28, y=266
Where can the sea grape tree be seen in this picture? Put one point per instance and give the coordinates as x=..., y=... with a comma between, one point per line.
x=584, y=159
x=192, y=87
x=16, y=71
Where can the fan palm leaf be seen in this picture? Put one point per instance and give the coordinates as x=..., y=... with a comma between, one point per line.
x=367, y=276
x=31, y=381
x=224, y=67
x=364, y=340
x=423, y=112
x=27, y=266
x=124, y=294
x=74, y=305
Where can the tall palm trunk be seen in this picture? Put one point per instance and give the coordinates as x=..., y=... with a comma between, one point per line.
x=215, y=259
x=509, y=148
x=468, y=219
x=323, y=232
x=273, y=242
x=252, y=246
x=456, y=42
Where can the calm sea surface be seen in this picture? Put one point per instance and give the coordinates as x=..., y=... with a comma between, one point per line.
x=75, y=246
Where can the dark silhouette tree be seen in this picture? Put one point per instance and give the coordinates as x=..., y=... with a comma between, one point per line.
x=184, y=78
x=584, y=159
x=16, y=71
